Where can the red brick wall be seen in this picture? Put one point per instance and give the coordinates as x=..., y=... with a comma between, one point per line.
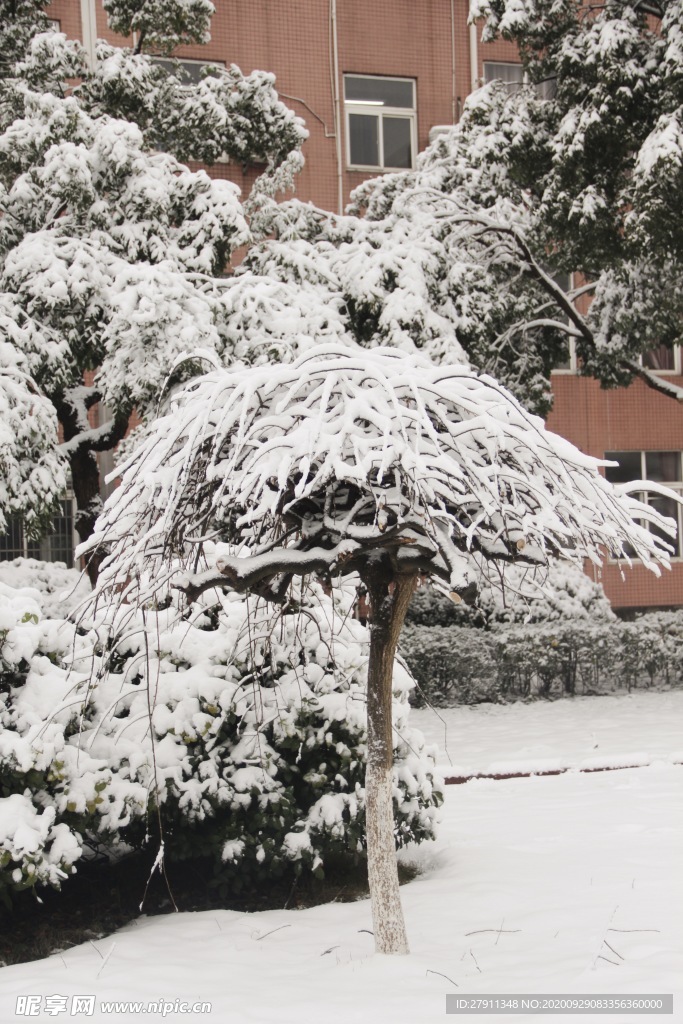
x=626, y=419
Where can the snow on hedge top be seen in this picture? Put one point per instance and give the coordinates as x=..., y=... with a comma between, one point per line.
x=344, y=449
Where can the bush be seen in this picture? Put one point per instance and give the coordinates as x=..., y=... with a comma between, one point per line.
x=232, y=733
x=466, y=665
x=35, y=848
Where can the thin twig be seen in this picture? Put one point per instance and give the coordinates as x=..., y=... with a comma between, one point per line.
x=104, y=962
x=266, y=934
x=443, y=976
x=613, y=950
x=499, y=931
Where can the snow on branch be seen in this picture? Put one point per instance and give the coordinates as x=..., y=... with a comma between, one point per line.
x=345, y=456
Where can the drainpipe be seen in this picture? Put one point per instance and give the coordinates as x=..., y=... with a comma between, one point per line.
x=474, y=58
x=337, y=106
x=89, y=30
x=454, y=97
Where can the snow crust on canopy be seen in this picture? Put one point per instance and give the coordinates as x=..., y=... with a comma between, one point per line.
x=348, y=446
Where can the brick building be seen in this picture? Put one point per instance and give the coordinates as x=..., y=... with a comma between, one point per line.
x=373, y=81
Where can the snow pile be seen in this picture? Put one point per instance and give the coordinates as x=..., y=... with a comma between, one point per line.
x=57, y=589
x=585, y=732
x=556, y=885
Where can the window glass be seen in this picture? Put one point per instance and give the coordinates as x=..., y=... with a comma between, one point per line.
x=660, y=358
x=55, y=546
x=666, y=507
x=664, y=467
x=12, y=540
x=397, y=142
x=364, y=140
x=629, y=467
x=512, y=75
x=547, y=89
x=390, y=92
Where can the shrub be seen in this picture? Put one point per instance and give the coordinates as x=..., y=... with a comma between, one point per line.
x=35, y=848
x=236, y=734
x=465, y=665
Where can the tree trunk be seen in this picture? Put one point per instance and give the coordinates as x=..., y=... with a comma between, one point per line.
x=390, y=598
x=85, y=481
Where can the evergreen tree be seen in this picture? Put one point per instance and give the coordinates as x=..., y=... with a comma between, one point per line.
x=105, y=243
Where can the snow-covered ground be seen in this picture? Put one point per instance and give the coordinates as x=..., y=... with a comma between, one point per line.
x=565, y=884
x=622, y=729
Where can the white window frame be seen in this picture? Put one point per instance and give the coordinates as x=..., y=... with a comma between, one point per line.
x=675, y=485
x=366, y=107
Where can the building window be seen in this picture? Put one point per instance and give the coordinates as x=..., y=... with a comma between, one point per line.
x=511, y=75
x=660, y=467
x=380, y=122
x=662, y=359
x=57, y=546
x=54, y=25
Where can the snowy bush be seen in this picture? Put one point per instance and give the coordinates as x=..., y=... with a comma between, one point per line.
x=451, y=665
x=245, y=734
x=35, y=847
x=57, y=589
x=239, y=736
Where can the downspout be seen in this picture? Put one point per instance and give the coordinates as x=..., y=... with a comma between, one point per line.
x=337, y=106
x=89, y=30
x=474, y=59
x=454, y=97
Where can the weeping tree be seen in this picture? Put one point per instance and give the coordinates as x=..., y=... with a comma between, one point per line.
x=348, y=462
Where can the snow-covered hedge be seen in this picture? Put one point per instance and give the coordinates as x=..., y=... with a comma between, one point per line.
x=237, y=734
x=460, y=664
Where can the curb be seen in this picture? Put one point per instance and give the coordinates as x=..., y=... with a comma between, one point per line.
x=459, y=780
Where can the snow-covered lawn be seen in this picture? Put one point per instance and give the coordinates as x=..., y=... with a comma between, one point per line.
x=628, y=729
x=544, y=871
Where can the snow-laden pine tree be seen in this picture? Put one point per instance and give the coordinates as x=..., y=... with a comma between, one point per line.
x=372, y=464
x=105, y=241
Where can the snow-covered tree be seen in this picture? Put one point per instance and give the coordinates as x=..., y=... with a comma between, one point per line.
x=105, y=243
x=375, y=465
x=594, y=146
